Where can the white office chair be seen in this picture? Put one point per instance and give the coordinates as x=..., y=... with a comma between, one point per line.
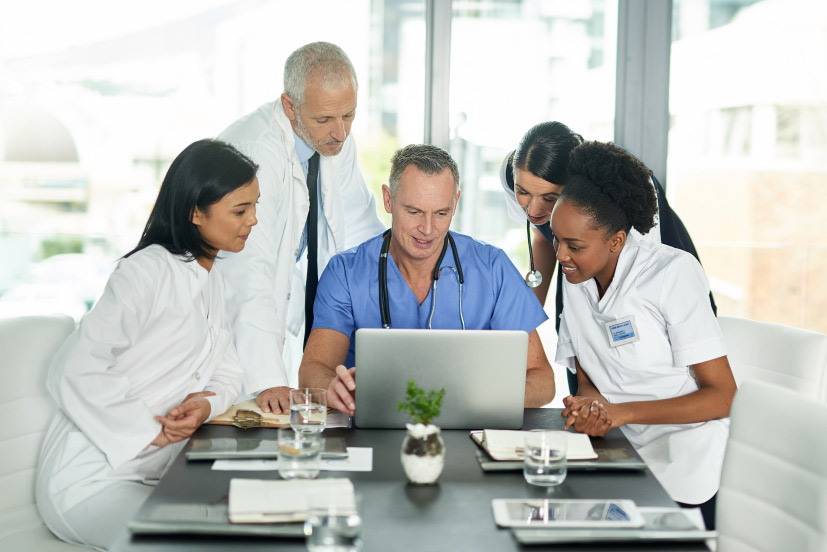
x=773, y=493
x=782, y=355
x=27, y=345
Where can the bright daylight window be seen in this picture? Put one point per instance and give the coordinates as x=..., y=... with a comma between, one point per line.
x=515, y=64
x=93, y=110
x=747, y=158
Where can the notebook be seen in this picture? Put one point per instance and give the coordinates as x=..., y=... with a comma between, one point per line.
x=483, y=373
x=508, y=445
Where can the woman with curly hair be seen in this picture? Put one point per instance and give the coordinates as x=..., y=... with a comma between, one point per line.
x=637, y=328
x=534, y=175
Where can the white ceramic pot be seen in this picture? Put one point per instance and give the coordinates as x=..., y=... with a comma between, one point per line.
x=423, y=454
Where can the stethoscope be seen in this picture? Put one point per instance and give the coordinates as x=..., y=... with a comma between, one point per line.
x=533, y=278
x=384, y=305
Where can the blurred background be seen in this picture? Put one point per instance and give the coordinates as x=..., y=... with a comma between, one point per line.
x=97, y=98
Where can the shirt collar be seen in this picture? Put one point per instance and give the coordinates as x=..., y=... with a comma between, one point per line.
x=304, y=151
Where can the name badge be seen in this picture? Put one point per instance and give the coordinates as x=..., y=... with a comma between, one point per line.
x=622, y=331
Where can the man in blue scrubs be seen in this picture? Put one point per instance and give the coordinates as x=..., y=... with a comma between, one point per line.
x=422, y=197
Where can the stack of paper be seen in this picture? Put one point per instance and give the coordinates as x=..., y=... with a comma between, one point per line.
x=503, y=444
x=279, y=501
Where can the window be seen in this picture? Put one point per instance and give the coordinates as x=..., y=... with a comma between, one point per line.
x=93, y=110
x=748, y=154
x=513, y=65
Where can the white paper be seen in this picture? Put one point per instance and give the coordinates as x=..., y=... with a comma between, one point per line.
x=268, y=501
x=359, y=459
x=504, y=444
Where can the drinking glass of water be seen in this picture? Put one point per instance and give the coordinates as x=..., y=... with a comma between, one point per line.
x=544, y=457
x=299, y=454
x=308, y=409
x=334, y=526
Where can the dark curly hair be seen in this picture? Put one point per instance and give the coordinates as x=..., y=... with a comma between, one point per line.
x=612, y=187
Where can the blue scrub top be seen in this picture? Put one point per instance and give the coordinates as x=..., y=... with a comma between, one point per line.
x=494, y=294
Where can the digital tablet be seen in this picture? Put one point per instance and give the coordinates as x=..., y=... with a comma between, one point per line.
x=661, y=525
x=574, y=513
x=230, y=448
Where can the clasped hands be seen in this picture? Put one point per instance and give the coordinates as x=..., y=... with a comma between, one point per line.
x=587, y=415
x=183, y=419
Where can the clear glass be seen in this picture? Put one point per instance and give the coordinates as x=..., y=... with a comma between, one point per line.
x=333, y=528
x=308, y=409
x=299, y=454
x=544, y=457
x=92, y=115
x=747, y=158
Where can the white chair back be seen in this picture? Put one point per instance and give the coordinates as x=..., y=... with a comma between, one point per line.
x=777, y=354
x=27, y=345
x=773, y=493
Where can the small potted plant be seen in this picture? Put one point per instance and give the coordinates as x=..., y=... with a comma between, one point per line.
x=423, y=451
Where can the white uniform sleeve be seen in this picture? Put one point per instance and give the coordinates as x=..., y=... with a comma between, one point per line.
x=684, y=302
x=225, y=383
x=258, y=316
x=565, y=346
x=361, y=220
x=83, y=377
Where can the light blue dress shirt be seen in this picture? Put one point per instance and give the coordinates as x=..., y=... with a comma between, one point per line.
x=494, y=294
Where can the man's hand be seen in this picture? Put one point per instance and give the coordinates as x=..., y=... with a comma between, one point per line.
x=182, y=421
x=275, y=400
x=340, y=391
x=587, y=415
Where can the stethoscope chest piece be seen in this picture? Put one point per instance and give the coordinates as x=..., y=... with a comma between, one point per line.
x=533, y=278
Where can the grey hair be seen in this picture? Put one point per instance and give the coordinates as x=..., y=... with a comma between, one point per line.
x=425, y=157
x=333, y=63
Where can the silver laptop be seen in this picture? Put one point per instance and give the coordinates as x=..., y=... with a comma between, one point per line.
x=483, y=373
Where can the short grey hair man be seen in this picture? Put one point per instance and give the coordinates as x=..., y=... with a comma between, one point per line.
x=429, y=159
x=323, y=58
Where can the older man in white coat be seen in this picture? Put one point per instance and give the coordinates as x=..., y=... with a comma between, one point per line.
x=314, y=204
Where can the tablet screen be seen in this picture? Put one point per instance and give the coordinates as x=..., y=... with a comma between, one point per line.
x=566, y=513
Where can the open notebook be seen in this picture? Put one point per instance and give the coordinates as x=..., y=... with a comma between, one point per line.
x=504, y=445
x=279, y=501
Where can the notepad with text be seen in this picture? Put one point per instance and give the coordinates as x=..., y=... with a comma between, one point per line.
x=288, y=501
x=504, y=444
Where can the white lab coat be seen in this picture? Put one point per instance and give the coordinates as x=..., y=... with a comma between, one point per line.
x=158, y=333
x=667, y=292
x=265, y=283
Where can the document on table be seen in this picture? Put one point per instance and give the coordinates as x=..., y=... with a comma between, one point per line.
x=268, y=501
x=359, y=459
x=504, y=444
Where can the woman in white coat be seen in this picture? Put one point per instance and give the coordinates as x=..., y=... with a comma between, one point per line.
x=154, y=358
x=638, y=329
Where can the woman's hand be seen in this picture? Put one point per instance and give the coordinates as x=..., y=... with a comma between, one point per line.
x=182, y=421
x=587, y=415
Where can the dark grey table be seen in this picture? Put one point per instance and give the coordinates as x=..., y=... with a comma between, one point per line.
x=453, y=515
